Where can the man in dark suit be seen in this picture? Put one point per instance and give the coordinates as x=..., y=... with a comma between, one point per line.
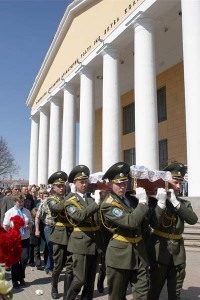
x=60, y=232
x=7, y=201
x=85, y=241
x=166, y=246
x=126, y=256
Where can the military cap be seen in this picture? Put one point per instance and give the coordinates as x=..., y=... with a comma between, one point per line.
x=79, y=172
x=118, y=172
x=58, y=177
x=177, y=170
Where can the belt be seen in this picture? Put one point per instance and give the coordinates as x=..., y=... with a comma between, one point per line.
x=127, y=239
x=95, y=228
x=170, y=236
x=61, y=224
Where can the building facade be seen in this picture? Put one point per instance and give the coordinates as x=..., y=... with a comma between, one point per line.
x=127, y=72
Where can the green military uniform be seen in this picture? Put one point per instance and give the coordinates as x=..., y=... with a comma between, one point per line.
x=166, y=246
x=126, y=256
x=60, y=236
x=85, y=241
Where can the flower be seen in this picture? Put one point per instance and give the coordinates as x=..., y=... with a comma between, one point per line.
x=5, y=286
x=10, y=242
x=10, y=253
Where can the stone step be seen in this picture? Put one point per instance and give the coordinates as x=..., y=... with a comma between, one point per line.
x=193, y=243
x=191, y=237
x=192, y=249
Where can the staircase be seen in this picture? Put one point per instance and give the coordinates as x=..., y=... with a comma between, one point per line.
x=191, y=237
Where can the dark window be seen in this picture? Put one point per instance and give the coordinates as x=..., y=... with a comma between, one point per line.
x=129, y=156
x=129, y=118
x=161, y=103
x=163, y=154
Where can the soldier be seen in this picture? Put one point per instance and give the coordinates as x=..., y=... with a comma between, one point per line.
x=126, y=256
x=85, y=241
x=166, y=246
x=60, y=233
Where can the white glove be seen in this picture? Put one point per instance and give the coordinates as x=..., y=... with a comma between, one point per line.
x=161, y=196
x=96, y=196
x=173, y=199
x=72, y=187
x=141, y=195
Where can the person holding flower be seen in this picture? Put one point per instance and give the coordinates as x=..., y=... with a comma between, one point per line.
x=18, y=269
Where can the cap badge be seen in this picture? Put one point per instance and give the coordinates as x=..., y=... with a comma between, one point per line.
x=120, y=166
x=121, y=175
x=83, y=173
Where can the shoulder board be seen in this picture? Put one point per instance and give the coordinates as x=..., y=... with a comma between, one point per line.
x=110, y=199
x=55, y=198
x=71, y=198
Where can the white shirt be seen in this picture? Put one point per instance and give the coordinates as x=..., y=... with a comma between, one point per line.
x=26, y=216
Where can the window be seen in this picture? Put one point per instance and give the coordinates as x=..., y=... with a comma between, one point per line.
x=163, y=154
x=161, y=103
x=129, y=156
x=129, y=118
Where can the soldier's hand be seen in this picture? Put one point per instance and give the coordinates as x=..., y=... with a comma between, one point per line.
x=96, y=196
x=161, y=196
x=173, y=199
x=141, y=195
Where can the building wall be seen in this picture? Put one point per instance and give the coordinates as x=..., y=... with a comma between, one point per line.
x=81, y=37
x=173, y=129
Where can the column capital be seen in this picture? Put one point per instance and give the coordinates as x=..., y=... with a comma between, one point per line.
x=70, y=87
x=34, y=117
x=55, y=100
x=145, y=21
x=87, y=71
x=110, y=50
x=43, y=109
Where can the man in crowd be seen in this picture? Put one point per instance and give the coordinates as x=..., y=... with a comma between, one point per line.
x=60, y=232
x=126, y=256
x=85, y=241
x=7, y=201
x=166, y=246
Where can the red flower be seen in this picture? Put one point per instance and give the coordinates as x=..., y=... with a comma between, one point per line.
x=10, y=242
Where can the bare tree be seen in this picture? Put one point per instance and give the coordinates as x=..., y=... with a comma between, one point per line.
x=7, y=161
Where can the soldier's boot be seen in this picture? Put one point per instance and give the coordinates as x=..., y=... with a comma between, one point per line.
x=71, y=294
x=100, y=281
x=86, y=294
x=67, y=282
x=54, y=286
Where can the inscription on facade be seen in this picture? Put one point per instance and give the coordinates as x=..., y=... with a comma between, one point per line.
x=97, y=40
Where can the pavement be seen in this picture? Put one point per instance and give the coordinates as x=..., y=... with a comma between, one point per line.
x=39, y=280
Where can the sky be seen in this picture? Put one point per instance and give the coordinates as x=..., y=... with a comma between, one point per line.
x=26, y=30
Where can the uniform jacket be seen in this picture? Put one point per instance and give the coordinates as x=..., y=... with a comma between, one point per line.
x=62, y=229
x=83, y=213
x=6, y=203
x=127, y=222
x=172, y=222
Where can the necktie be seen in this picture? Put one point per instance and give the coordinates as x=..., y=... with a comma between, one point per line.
x=19, y=213
x=126, y=201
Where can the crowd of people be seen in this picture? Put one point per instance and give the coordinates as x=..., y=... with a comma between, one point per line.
x=127, y=236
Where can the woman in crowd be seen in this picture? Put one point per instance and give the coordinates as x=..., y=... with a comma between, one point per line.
x=18, y=269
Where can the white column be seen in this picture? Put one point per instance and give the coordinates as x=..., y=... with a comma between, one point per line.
x=111, y=133
x=43, y=151
x=87, y=120
x=146, y=123
x=33, y=168
x=191, y=57
x=55, y=136
x=69, y=130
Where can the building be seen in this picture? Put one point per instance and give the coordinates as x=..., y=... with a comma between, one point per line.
x=5, y=183
x=128, y=72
